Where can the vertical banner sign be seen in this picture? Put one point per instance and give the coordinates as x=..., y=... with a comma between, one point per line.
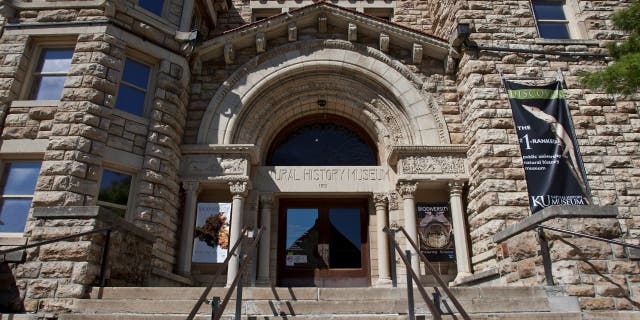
x=211, y=236
x=435, y=231
x=552, y=163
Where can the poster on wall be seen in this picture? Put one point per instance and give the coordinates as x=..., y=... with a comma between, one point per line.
x=435, y=231
x=552, y=163
x=211, y=236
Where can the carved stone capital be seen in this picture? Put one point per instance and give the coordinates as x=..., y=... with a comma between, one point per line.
x=393, y=201
x=191, y=186
x=266, y=200
x=380, y=200
x=455, y=188
x=239, y=188
x=407, y=189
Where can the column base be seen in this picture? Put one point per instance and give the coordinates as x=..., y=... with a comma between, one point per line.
x=459, y=278
x=383, y=283
x=263, y=282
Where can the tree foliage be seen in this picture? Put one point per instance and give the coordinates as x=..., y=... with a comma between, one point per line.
x=623, y=75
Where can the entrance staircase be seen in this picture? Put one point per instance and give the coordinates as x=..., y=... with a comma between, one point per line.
x=486, y=303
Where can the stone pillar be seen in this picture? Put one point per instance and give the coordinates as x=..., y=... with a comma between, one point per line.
x=266, y=206
x=192, y=189
x=380, y=201
x=407, y=190
x=459, y=230
x=239, y=191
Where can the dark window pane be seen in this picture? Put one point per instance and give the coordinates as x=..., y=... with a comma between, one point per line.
x=154, y=6
x=345, y=247
x=553, y=30
x=548, y=11
x=21, y=178
x=55, y=60
x=130, y=100
x=49, y=87
x=302, y=238
x=135, y=73
x=323, y=144
x=13, y=214
x=114, y=187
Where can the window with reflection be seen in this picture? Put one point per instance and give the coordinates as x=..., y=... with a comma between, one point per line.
x=154, y=6
x=50, y=74
x=551, y=19
x=114, y=191
x=323, y=141
x=18, y=184
x=133, y=87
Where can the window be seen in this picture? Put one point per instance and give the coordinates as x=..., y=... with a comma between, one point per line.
x=551, y=19
x=154, y=6
x=133, y=87
x=19, y=182
x=50, y=73
x=114, y=191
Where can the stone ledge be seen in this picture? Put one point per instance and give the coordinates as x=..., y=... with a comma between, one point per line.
x=478, y=276
x=586, y=42
x=35, y=103
x=553, y=212
x=171, y=276
x=91, y=212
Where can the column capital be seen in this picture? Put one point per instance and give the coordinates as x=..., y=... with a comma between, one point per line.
x=407, y=188
x=191, y=186
x=239, y=188
x=380, y=200
x=266, y=200
x=455, y=187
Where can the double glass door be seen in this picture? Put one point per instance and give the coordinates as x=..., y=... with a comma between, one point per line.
x=323, y=242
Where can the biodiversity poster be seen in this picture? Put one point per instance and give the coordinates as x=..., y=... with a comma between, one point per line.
x=435, y=231
x=211, y=236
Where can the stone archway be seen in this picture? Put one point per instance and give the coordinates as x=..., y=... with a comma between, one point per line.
x=364, y=84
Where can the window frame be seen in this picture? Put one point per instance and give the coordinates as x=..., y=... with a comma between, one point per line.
x=3, y=181
x=28, y=90
x=163, y=11
x=569, y=19
x=128, y=215
x=148, y=98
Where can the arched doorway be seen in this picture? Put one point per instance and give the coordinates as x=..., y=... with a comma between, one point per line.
x=323, y=241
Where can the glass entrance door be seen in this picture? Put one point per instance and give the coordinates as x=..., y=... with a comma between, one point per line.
x=323, y=242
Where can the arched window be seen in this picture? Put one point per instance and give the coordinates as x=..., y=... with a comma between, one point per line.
x=322, y=141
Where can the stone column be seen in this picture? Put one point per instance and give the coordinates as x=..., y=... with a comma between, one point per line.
x=239, y=191
x=266, y=205
x=380, y=201
x=459, y=230
x=407, y=190
x=192, y=189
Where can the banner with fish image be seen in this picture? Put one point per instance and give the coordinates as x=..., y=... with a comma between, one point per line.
x=553, y=166
x=435, y=231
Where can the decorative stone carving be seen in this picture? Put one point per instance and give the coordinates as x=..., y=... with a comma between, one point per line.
x=393, y=201
x=214, y=165
x=266, y=200
x=455, y=188
x=191, y=186
x=432, y=165
x=229, y=54
x=384, y=42
x=261, y=42
x=239, y=188
x=293, y=32
x=407, y=189
x=416, y=53
x=233, y=165
x=352, y=33
x=322, y=24
x=380, y=200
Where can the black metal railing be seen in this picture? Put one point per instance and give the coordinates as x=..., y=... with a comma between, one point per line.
x=105, y=248
x=244, y=260
x=412, y=277
x=546, y=255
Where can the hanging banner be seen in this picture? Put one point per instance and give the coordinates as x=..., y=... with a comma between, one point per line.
x=211, y=236
x=435, y=231
x=552, y=163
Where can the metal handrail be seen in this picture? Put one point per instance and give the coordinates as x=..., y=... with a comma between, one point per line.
x=205, y=293
x=584, y=235
x=435, y=274
x=105, y=250
x=243, y=266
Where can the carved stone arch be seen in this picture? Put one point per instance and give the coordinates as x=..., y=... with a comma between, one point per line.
x=425, y=124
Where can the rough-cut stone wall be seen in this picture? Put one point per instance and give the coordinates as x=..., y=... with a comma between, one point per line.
x=16, y=53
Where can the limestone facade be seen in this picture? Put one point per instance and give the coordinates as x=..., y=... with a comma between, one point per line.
x=433, y=106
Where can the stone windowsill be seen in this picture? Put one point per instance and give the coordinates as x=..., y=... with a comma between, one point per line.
x=34, y=103
x=161, y=23
x=131, y=117
x=567, y=42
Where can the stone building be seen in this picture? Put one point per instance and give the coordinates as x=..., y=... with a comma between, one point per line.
x=311, y=119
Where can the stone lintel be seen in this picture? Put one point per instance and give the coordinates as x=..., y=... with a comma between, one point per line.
x=554, y=212
x=243, y=149
x=401, y=150
x=92, y=212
